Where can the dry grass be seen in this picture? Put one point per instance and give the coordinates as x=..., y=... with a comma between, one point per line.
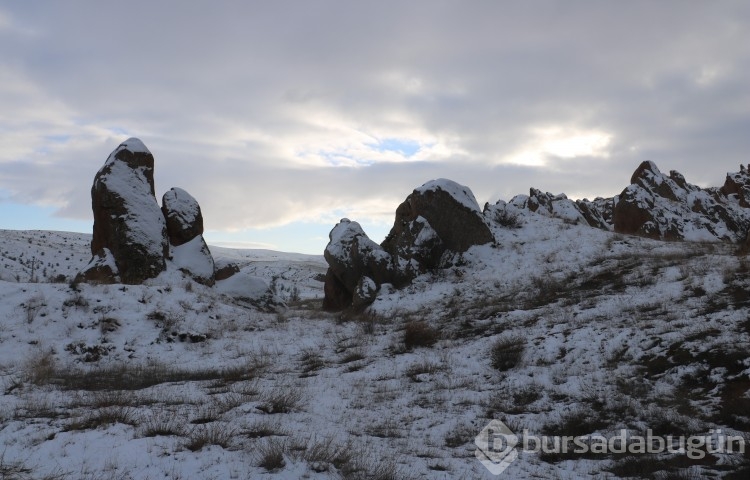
x=507, y=351
x=419, y=334
x=216, y=433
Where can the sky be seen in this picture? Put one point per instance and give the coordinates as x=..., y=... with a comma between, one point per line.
x=282, y=117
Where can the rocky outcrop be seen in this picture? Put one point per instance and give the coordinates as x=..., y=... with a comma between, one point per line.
x=596, y=213
x=438, y=211
x=351, y=255
x=185, y=231
x=654, y=205
x=134, y=237
x=438, y=217
x=128, y=223
x=737, y=187
x=668, y=207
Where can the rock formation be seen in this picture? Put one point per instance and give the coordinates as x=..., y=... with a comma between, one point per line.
x=133, y=236
x=130, y=234
x=596, y=213
x=185, y=231
x=668, y=207
x=655, y=205
x=438, y=217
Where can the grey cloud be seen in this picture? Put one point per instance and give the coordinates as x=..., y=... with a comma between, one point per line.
x=227, y=94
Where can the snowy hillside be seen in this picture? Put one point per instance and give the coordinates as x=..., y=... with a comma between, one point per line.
x=556, y=329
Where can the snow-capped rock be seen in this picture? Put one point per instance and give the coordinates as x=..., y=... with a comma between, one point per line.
x=596, y=213
x=438, y=217
x=668, y=207
x=351, y=255
x=128, y=222
x=185, y=231
x=449, y=209
x=183, y=216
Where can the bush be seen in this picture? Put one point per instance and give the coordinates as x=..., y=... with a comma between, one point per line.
x=507, y=352
x=218, y=433
x=283, y=398
x=271, y=455
x=419, y=334
x=507, y=219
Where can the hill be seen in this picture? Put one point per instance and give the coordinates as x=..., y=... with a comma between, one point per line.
x=555, y=329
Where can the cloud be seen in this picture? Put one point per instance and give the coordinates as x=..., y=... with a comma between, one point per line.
x=269, y=115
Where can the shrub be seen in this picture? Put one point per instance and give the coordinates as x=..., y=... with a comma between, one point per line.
x=419, y=334
x=103, y=417
x=507, y=352
x=311, y=360
x=281, y=399
x=218, y=433
x=507, y=219
x=328, y=451
x=161, y=426
x=271, y=454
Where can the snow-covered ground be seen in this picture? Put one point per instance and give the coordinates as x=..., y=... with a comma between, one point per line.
x=558, y=329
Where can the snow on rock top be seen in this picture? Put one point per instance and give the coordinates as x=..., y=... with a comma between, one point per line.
x=134, y=145
x=668, y=207
x=460, y=193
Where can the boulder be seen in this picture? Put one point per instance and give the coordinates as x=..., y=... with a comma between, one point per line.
x=128, y=222
x=183, y=216
x=351, y=255
x=251, y=290
x=225, y=269
x=134, y=237
x=184, y=220
x=449, y=209
x=100, y=269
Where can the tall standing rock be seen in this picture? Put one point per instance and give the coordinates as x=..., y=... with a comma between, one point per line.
x=185, y=231
x=129, y=227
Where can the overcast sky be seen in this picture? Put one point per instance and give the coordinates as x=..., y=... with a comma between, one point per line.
x=282, y=117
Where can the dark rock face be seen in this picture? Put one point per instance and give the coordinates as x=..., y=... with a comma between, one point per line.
x=127, y=219
x=737, y=186
x=224, y=270
x=336, y=296
x=441, y=216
